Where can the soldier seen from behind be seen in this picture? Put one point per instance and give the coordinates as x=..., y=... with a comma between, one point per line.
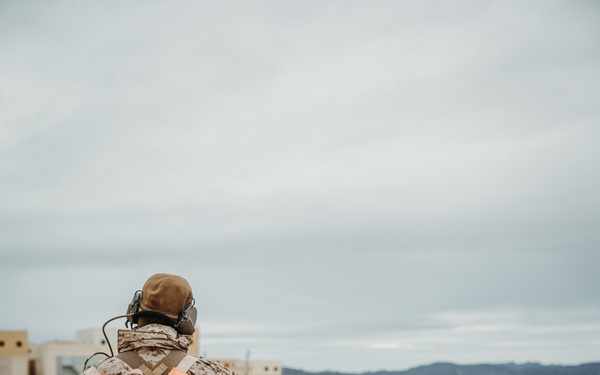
x=163, y=318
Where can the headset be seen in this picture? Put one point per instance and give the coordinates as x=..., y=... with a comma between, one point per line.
x=185, y=323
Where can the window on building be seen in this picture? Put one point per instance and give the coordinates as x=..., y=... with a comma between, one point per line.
x=19, y=343
x=69, y=365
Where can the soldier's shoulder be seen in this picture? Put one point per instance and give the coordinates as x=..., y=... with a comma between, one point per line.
x=112, y=365
x=205, y=366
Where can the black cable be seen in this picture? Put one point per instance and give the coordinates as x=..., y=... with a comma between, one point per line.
x=112, y=354
x=90, y=357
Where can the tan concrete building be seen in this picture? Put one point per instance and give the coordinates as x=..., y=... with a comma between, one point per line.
x=66, y=357
x=14, y=353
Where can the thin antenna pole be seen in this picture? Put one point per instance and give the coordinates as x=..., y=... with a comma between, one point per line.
x=247, y=369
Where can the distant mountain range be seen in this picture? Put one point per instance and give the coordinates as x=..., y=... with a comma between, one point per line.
x=482, y=369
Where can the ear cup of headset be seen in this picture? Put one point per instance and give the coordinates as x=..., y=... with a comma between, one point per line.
x=186, y=324
x=134, y=307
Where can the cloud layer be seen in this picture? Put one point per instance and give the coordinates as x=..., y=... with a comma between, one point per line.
x=346, y=185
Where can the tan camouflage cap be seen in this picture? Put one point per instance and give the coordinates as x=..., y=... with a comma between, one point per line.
x=166, y=294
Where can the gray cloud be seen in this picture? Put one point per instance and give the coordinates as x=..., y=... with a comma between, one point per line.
x=346, y=185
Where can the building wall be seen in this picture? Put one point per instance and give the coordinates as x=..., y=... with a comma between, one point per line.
x=13, y=343
x=66, y=358
x=194, y=349
x=94, y=336
x=261, y=368
x=14, y=353
x=16, y=365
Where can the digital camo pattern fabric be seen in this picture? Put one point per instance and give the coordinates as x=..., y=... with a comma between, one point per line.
x=152, y=343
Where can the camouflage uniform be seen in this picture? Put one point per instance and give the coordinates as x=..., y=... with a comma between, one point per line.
x=153, y=342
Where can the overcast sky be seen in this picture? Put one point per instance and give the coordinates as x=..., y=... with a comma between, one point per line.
x=347, y=185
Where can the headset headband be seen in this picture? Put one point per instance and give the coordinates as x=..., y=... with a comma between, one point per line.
x=185, y=323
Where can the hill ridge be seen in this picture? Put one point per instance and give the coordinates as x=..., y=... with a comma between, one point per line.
x=448, y=368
